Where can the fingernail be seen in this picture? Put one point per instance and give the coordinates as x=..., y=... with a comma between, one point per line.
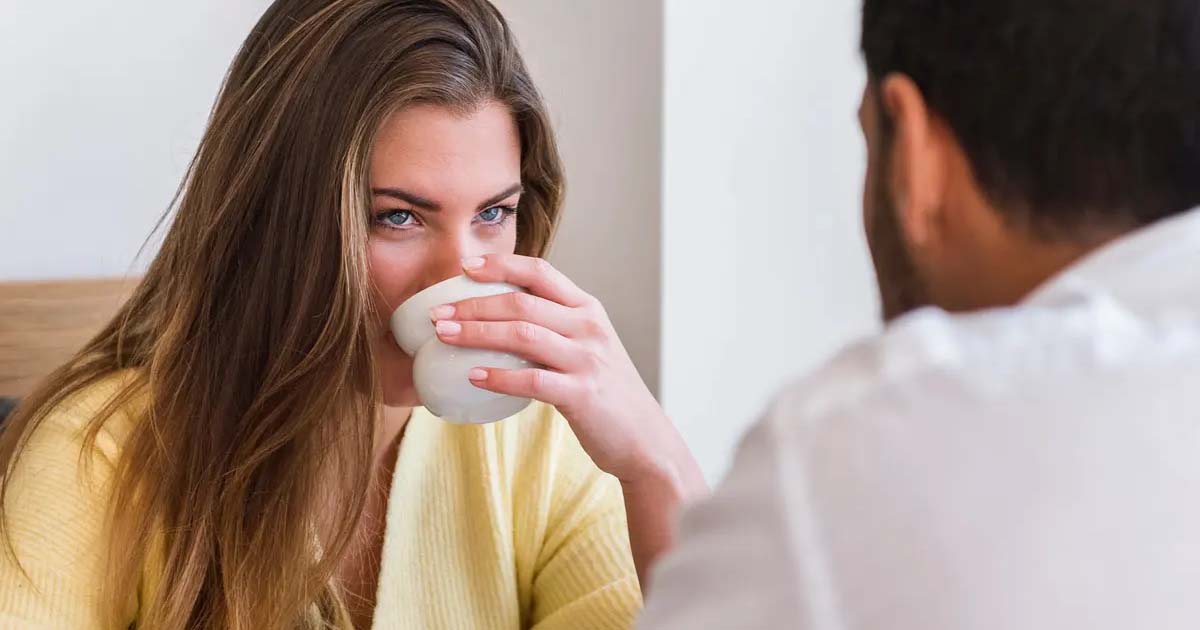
x=448, y=329
x=444, y=311
x=474, y=262
x=477, y=374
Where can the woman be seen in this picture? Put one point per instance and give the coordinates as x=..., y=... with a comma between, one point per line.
x=242, y=448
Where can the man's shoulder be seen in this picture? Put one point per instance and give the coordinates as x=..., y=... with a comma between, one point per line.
x=934, y=360
x=919, y=345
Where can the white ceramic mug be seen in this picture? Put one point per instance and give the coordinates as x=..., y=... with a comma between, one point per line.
x=439, y=370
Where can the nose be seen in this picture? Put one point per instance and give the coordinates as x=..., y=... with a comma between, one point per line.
x=445, y=259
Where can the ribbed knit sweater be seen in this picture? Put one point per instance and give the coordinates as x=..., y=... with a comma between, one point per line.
x=502, y=526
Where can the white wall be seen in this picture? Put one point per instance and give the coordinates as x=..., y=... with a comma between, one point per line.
x=103, y=104
x=765, y=271
x=599, y=65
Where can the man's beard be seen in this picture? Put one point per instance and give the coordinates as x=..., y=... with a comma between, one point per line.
x=900, y=287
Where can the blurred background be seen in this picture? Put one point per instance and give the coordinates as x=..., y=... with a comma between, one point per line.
x=713, y=158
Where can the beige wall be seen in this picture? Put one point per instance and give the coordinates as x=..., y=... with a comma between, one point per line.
x=599, y=64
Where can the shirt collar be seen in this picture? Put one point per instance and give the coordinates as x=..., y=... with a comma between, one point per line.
x=1168, y=246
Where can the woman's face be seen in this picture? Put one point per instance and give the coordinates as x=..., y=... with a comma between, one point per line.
x=444, y=187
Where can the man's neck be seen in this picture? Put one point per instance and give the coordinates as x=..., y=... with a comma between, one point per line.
x=1009, y=264
x=1031, y=267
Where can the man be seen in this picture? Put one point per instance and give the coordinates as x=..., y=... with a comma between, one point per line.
x=1021, y=447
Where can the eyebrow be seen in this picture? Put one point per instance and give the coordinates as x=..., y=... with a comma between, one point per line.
x=427, y=204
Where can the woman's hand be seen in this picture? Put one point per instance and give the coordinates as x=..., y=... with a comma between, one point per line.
x=588, y=376
x=586, y=373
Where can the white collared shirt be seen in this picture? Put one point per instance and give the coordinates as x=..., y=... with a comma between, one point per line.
x=1034, y=467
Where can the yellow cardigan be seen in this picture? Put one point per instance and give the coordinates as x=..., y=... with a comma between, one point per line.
x=501, y=526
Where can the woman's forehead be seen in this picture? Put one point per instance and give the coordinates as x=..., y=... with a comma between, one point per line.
x=446, y=155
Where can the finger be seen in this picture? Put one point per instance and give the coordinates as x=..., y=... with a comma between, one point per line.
x=530, y=341
x=547, y=386
x=514, y=307
x=535, y=274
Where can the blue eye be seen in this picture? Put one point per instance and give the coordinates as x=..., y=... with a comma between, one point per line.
x=395, y=218
x=495, y=215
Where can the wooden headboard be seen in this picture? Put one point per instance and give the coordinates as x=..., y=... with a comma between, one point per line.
x=43, y=323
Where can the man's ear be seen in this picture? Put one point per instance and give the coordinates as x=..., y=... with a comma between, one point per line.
x=918, y=160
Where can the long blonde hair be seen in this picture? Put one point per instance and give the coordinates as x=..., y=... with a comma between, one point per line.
x=248, y=336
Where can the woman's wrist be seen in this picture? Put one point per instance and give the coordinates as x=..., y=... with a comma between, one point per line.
x=667, y=469
x=656, y=488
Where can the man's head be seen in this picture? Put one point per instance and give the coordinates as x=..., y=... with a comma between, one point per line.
x=1007, y=138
